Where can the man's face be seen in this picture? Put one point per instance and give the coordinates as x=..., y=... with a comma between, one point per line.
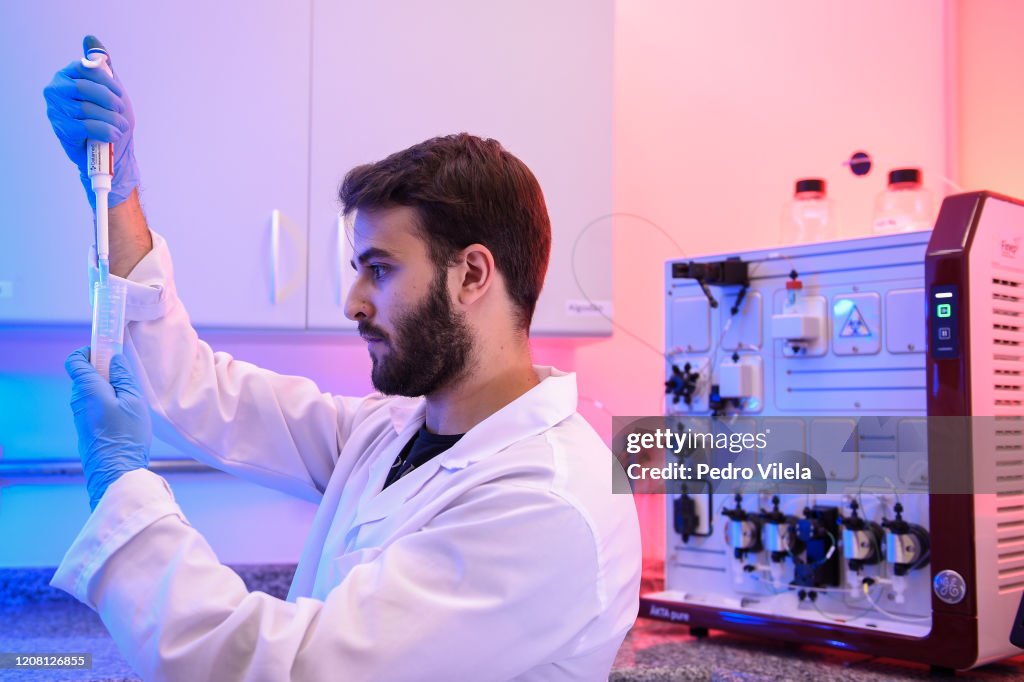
x=418, y=343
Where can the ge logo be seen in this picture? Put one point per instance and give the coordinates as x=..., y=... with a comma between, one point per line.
x=950, y=587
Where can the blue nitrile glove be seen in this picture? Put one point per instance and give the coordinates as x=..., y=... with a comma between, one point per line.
x=84, y=103
x=112, y=419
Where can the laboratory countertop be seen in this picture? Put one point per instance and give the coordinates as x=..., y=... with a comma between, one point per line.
x=35, y=618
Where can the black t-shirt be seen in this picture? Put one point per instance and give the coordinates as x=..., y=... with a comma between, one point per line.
x=423, y=447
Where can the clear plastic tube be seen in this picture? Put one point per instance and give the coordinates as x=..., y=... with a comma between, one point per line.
x=107, y=323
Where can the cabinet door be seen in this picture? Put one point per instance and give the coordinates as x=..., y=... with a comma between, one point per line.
x=533, y=74
x=221, y=100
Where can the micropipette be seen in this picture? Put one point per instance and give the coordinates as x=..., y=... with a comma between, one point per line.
x=108, y=295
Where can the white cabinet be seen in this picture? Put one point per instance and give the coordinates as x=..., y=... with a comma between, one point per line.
x=249, y=110
x=221, y=96
x=224, y=148
x=535, y=75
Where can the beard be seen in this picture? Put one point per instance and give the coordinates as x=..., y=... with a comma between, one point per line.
x=429, y=349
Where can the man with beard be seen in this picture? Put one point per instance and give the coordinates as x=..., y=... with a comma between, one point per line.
x=466, y=527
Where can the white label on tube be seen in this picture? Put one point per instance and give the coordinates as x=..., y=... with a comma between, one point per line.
x=101, y=158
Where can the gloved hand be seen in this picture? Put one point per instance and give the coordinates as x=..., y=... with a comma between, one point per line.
x=112, y=419
x=84, y=103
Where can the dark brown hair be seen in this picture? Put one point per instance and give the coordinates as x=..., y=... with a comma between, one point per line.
x=466, y=190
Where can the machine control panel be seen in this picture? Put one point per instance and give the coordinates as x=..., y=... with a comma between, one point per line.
x=944, y=321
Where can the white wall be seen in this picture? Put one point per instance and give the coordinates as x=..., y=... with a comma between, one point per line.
x=990, y=102
x=720, y=106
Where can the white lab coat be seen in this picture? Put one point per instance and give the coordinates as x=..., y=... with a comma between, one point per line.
x=506, y=557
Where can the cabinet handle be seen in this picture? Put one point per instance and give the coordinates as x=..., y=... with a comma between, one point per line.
x=275, y=254
x=340, y=292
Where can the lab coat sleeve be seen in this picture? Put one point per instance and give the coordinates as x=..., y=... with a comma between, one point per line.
x=276, y=430
x=465, y=598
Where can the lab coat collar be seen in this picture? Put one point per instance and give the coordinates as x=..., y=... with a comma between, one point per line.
x=404, y=411
x=548, y=403
x=375, y=503
x=551, y=401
